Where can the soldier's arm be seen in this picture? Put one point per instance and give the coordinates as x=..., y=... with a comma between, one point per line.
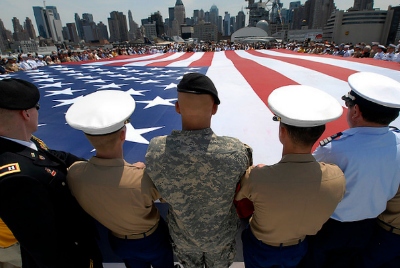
x=244, y=191
x=26, y=208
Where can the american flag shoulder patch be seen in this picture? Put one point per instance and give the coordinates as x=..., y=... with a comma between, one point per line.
x=9, y=169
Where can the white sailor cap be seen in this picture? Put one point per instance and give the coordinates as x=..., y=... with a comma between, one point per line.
x=382, y=46
x=374, y=89
x=303, y=106
x=40, y=56
x=375, y=43
x=24, y=56
x=102, y=112
x=391, y=45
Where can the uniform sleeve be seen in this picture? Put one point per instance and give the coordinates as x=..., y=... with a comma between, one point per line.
x=26, y=208
x=249, y=154
x=149, y=188
x=245, y=187
x=68, y=158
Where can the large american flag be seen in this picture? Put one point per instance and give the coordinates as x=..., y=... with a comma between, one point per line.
x=244, y=80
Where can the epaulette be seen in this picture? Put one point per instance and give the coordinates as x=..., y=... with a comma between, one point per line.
x=41, y=143
x=329, y=139
x=394, y=129
x=9, y=169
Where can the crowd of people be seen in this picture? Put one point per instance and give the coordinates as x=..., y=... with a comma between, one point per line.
x=28, y=61
x=336, y=207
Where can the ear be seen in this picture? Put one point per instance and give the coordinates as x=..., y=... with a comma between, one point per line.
x=177, y=109
x=25, y=115
x=122, y=135
x=214, y=109
x=356, y=112
x=282, y=132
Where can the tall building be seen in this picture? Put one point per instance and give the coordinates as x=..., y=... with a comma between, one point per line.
x=275, y=14
x=257, y=12
x=19, y=33
x=196, y=15
x=118, y=27
x=179, y=12
x=313, y=15
x=79, y=26
x=171, y=14
x=87, y=17
x=214, y=15
x=233, y=24
x=102, y=31
x=227, y=24
x=72, y=33
x=157, y=18
x=363, y=5
x=292, y=6
x=48, y=22
x=28, y=27
x=206, y=32
x=240, y=20
x=133, y=27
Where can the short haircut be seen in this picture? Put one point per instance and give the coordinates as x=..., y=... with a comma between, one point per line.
x=305, y=136
x=383, y=116
x=103, y=142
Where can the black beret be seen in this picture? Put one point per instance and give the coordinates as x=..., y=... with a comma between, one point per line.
x=17, y=94
x=198, y=83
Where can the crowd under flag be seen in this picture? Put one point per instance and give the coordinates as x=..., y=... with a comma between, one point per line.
x=244, y=80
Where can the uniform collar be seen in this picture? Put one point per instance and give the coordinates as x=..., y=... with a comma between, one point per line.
x=114, y=162
x=200, y=132
x=299, y=158
x=28, y=144
x=366, y=130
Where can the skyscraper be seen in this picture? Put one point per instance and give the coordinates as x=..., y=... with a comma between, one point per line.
x=28, y=27
x=133, y=27
x=214, y=15
x=179, y=12
x=73, y=34
x=227, y=24
x=240, y=20
x=102, y=31
x=48, y=22
x=363, y=5
x=19, y=33
x=118, y=27
x=79, y=26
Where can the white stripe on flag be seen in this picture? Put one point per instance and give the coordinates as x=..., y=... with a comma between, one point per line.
x=187, y=62
x=120, y=61
x=144, y=63
x=242, y=114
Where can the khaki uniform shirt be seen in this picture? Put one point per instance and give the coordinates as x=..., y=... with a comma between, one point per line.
x=116, y=193
x=12, y=67
x=392, y=213
x=292, y=198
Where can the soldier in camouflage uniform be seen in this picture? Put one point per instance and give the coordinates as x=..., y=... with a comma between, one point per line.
x=197, y=172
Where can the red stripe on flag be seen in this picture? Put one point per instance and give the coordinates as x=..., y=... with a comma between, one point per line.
x=204, y=61
x=264, y=80
x=328, y=69
x=133, y=59
x=370, y=61
x=166, y=63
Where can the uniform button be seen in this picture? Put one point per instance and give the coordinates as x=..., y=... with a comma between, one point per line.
x=63, y=183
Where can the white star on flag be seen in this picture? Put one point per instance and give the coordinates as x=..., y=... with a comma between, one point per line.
x=150, y=81
x=36, y=74
x=68, y=72
x=121, y=68
x=136, y=92
x=172, y=85
x=146, y=73
x=40, y=76
x=97, y=70
x=130, y=78
x=163, y=75
x=108, y=72
x=170, y=71
x=155, y=69
x=86, y=77
x=67, y=102
x=58, y=84
x=135, y=135
x=75, y=74
x=97, y=81
x=45, y=80
x=133, y=71
x=117, y=75
x=67, y=91
x=112, y=85
x=158, y=101
x=179, y=78
x=88, y=67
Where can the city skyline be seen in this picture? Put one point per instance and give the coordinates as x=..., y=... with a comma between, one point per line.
x=101, y=8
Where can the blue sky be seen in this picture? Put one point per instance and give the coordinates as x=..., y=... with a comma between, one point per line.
x=140, y=8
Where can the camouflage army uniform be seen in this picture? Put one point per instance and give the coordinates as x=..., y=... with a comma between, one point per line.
x=197, y=172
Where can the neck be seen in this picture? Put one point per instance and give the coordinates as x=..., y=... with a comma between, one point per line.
x=110, y=154
x=195, y=125
x=293, y=149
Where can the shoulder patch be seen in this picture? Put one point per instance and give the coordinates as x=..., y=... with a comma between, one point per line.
x=41, y=143
x=329, y=139
x=9, y=169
